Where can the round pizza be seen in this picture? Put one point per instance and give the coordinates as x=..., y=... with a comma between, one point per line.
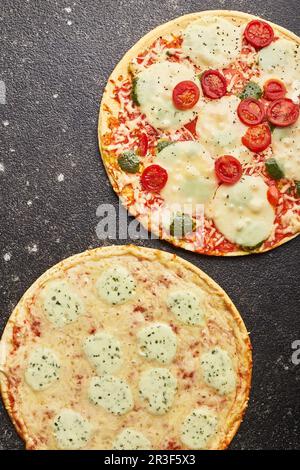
x=125, y=348
x=199, y=133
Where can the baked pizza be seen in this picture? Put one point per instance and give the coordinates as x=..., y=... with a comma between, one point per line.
x=125, y=348
x=199, y=133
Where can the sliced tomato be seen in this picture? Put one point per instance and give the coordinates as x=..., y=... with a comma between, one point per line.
x=228, y=169
x=185, y=95
x=283, y=112
x=213, y=84
x=154, y=178
x=143, y=144
x=273, y=195
x=251, y=112
x=191, y=126
x=259, y=34
x=257, y=138
x=274, y=90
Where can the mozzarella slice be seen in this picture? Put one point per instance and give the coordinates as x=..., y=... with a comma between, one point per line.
x=112, y=393
x=191, y=175
x=154, y=89
x=103, y=352
x=198, y=428
x=187, y=307
x=218, y=126
x=61, y=303
x=218, y=371
x=212, y=42
x=116, y=285
x=286, y=150
x=281, y=57
x=71, y=430
x=130, y=439
x=158, y=388
x=43, y=369
x=157, y=342
x=242, y=212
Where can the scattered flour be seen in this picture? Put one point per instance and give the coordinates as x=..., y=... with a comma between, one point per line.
x=60, y=177
x=32, y=248
x=7, y=256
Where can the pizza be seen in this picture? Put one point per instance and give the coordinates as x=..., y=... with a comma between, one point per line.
x=199, y=133
x=125, y=348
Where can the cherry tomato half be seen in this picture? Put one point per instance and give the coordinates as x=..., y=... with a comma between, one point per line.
x=283, y=112
x=273, y=195
x=274, y=90
x=154, y=178
x=143, y=144
x=259, y=33
x=185, y=95
x=228, y=169
x=191, y=126
x=213, y=84
x=251, y=111
x=257, y=138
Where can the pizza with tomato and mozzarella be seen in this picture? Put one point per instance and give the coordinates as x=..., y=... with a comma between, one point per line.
x=199, y=133
x=125, y=348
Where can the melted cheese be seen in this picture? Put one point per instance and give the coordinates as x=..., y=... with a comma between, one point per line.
x=112, y=393
x=212, y=42
x=103, y=352
x=286, y=150
x=198, y=428
x=281, y=57
x=130, y=439
x=116, y=285
x=61, y=303
x=157, y=342
x=191, y=176
x=154, y=89
x=217, y=369
x=218, y=126
x=43, y=369
x=242, y=211
x=187, y=307
x=158, y=388
x=71, y=430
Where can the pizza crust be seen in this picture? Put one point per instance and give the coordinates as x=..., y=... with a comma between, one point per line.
x=107, y=103
x=237, y=325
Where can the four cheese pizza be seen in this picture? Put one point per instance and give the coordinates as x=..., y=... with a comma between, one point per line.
x=125, y=348
x=199, y=132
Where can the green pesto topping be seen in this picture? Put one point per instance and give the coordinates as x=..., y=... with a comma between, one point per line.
x=129, y=162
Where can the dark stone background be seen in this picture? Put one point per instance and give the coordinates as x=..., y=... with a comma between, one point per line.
x=55, y=63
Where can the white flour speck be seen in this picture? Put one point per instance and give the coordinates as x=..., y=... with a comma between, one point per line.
x=5, y=123
x=32, y=248
x=12, y=150
x=27, y=183
x=60, y=177
x=7, y=256
x=55, y=95
x=29, y=203
x=68, y=9
x=2, y=168
x=69, y=22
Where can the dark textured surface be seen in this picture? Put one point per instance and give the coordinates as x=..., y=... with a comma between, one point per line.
x=55, y=59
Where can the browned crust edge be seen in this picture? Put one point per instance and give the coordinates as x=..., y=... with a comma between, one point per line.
x=122, y=69
x=240, y=330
